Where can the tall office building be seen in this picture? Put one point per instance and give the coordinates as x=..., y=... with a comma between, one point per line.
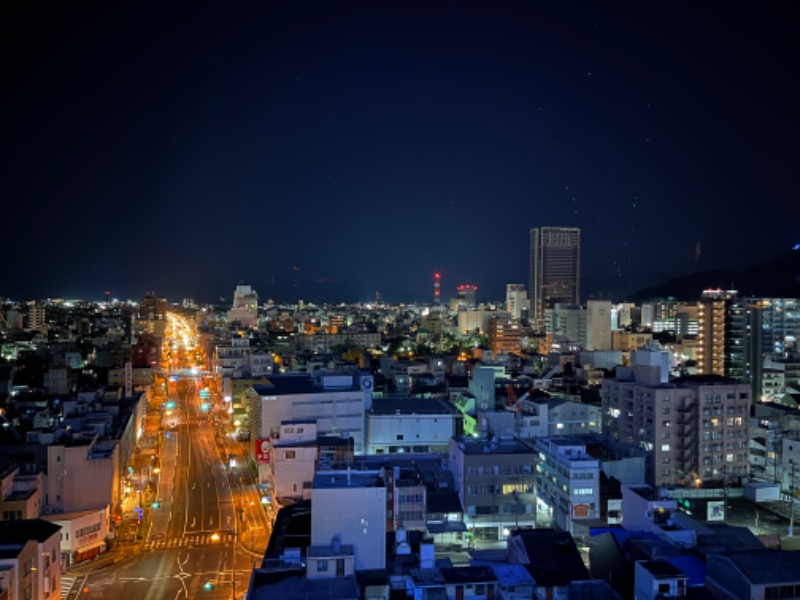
x=555, y=269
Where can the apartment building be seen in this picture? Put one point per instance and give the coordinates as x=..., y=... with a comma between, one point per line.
x=567, y=481
x=30, y=559
x=495, y=479
x=505, y=335
x=693, y=429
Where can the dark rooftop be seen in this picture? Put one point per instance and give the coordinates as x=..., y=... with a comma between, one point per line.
x=766, y=566
x=661, y=569
x=411, y=406
x=554, y=559
x=445, y=501
x=22, y=530
x=494, y=446
x=351, y=479
x=705, y=379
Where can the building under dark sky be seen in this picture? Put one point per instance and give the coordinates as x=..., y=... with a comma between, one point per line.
x=331, y=150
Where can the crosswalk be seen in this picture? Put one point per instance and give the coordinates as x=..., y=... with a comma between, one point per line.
x=191, y=541
x=66, y=585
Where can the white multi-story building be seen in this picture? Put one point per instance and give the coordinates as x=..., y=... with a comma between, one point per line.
x=233, y=359
x=83, y=534
x=598, y=334
x=470, y=321
x=293, y=459
x=245, y=306
x=295, y=456
x=336, y=401
x=568, y=321
x=351, y=506
x=403, y=374
x=567, y=481
x=411, y=425
x=516, y=300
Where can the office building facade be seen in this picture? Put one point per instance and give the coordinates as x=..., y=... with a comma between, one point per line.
x=555, y=269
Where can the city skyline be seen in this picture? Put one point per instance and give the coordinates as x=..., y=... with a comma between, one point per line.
x=332, y=154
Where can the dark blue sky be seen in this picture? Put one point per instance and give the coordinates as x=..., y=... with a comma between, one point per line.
x=326, y=151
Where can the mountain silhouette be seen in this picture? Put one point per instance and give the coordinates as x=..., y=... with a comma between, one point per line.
x=775, y=278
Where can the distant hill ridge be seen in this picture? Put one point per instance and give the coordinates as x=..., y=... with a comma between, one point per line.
x=776, y=278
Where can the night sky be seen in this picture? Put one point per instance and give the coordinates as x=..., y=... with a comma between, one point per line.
x=328, y=151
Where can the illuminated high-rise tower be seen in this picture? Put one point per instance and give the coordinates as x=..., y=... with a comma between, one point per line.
x=555, y=269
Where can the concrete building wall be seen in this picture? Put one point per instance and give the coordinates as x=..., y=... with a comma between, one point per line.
x=567, y=481
x=358, y=516
x=599, y=325
x=495, y=482
x=388, y=433
x=76, y=482
x=471, y=320
x=292, y=469
x=337, y=413
x=571, y=418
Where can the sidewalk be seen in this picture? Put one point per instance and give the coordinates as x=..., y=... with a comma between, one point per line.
x=111, y=558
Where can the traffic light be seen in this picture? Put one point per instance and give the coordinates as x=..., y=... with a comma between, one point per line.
x=208, y=585
x=156, y=504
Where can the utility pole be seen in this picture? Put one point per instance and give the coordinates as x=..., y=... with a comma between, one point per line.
x=233, y=546
x=791, y=499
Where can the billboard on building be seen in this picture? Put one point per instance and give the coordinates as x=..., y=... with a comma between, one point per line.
x=262, y=451
x=715, y=510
